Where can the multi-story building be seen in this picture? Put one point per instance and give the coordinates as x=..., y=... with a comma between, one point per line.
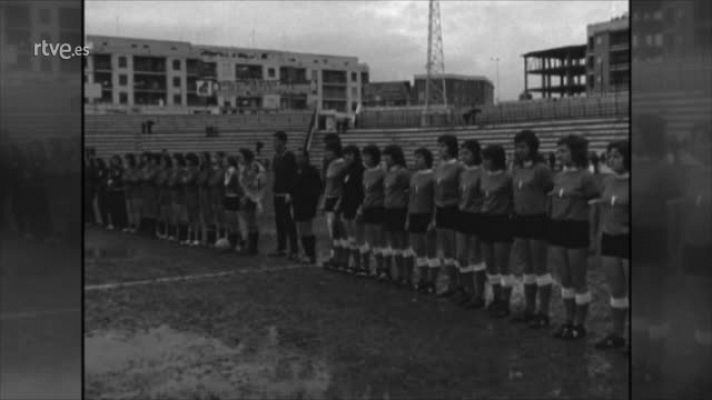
x=562, y=71
x=608, y=56
x=461, y=91
x=178, y=75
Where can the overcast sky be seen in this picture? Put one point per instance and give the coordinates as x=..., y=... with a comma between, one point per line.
x=390, y=36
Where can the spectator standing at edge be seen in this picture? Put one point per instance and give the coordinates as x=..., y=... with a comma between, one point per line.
x=284, y=165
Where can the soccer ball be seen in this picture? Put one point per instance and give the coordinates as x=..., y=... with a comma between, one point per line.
x=222, y=244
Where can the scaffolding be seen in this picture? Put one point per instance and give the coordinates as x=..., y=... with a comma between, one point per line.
x=568, y=64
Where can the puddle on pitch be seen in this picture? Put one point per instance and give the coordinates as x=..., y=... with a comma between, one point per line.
x=166, y=364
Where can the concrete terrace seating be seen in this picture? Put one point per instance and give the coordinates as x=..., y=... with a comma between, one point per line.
x=598, y=131
x=681, y=109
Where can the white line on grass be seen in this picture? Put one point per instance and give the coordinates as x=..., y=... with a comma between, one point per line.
x=38, y=314
x=183, y=278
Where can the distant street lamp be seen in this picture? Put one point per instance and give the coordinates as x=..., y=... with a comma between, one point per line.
x=496, y=60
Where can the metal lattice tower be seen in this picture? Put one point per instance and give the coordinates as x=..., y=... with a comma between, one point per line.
x=435, y=81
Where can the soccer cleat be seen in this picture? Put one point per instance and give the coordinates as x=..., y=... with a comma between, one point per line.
x=575, y=333
x=610, y=342
x=563, y=331
x=539, y=321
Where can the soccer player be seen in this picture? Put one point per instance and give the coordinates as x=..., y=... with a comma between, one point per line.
x=333, y=183
x=396, y=184
x=574, y=186
x=472, y=268
x=133, y=194
x=305, y=200
x=253, y=181
x=371, y=211
x=614, y=223
x=232, y=200
x=533, y=180
x=164, y=196
x=205, y=206
x=447, y=197
x=148, y=193
x=421, y=209
x=351, y=198
x=177, y=197
x=496, y=228
x=192, y=205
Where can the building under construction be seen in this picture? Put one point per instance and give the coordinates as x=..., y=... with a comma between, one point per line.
x=562, y=71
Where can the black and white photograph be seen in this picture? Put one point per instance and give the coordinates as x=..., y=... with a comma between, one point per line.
x=357, y=199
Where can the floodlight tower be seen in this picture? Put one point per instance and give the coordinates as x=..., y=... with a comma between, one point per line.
x=435, y=80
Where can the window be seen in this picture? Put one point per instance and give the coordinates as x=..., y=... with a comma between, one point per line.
x=315, y=75
x=354, y=77
x=599, y=40
x=176, y=65
x=270, y=72
x=45, y=16
x=176, y=82
x=649, y=40
x=599, y=60
x=122, y=62
x=658, y=39
x=123, y=98
x=123, y=80
x=177, y=99
x=635, y=41
x=658, y=15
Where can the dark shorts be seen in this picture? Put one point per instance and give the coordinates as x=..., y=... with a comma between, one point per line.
x=447, y=217
x=394, y=219
x=419, y=223
x=568, y=234
x=615, y=246
x=530, y=226
x=496, y=228
x=696, y=260
x=330, y=204
x=470, y=223
x=231, y=203
x=373, y=216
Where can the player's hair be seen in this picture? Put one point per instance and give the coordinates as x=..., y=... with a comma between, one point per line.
x=354, y=150
x=192, y=158
x=130, y=160
x=232, y=161
x=248, y=155
x=578, y=146
x=374, y=152
x=396, y=153
x=497, y=155
x=474, y=147
x=529, y=138
x=427, y=156
x=623, y=147
x=334, y=147
x=450, y=141
x=281, y=136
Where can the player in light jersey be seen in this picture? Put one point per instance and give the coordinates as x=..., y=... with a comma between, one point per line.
x=496, y=228
x=133, y=195
x=349, y=202
x=447, y=197
x=396, y=184
x=570, y=232
x=614, y=224
x=533, y=180
x=333, y=185
x=421, y=209
x=371, y=211
x=471, y=264
x=232, y=201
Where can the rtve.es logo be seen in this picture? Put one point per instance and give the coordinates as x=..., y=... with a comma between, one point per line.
x=64, y=50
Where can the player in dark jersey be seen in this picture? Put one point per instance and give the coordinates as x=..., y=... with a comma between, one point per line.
x=164, y=195
x=351, y=198
x=496, y=228
x=447, y=197
x=305, y=200
x=472, y=269
x=177, y=198
x=232, y=201
x=216, y=195
x=192, y=205
x=532, y=180
x=371, y=211
x=614, y=224
x=205, y=208
x=333, y=186
x=133, y=195
x=421, y=209
x=396, y=184
x=570, y=232
x=115, y=192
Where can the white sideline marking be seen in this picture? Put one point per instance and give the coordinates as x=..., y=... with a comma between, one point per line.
x=37, y=314
x=181, y=278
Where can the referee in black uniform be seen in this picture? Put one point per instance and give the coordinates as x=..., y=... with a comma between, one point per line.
x=284, y=165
